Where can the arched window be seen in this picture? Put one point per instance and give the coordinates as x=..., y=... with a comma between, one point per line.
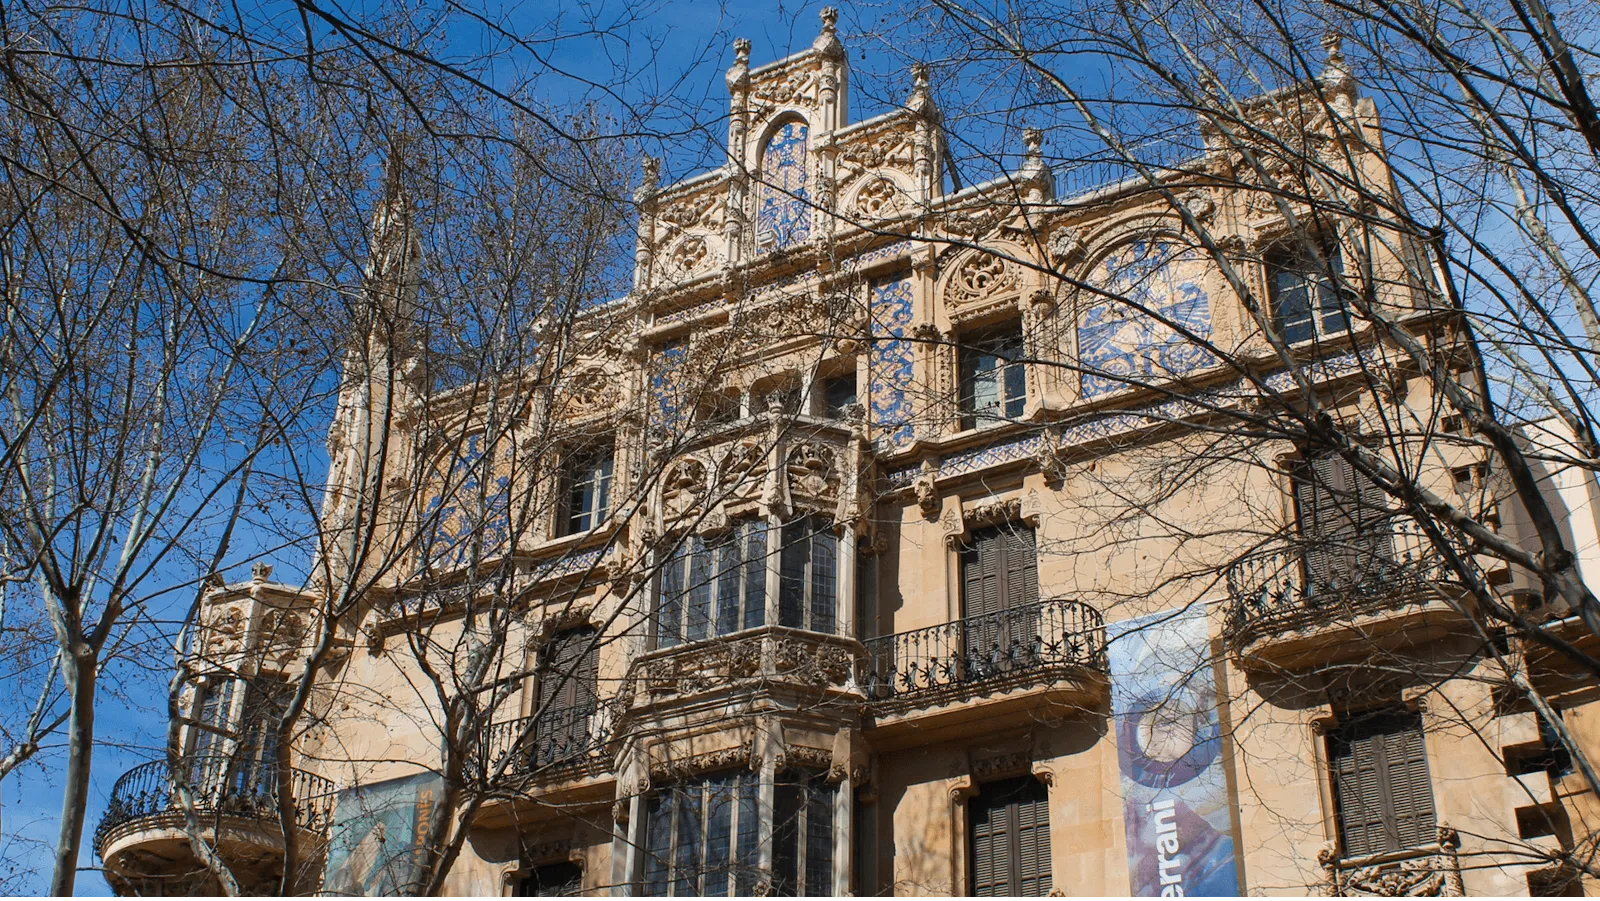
x=783, y=215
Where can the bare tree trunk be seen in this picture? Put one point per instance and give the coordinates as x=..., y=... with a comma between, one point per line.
x=80, y=669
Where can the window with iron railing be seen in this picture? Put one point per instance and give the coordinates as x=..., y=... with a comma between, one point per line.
x=999, y=572
x=1344, y=522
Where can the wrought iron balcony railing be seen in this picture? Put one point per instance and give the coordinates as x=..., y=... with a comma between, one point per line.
x=1021, y=642
x=220, y=786
x=1388, y=565
x=553, y=739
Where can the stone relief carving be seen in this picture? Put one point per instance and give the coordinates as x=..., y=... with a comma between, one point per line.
x=703, y=211
x=816, y=665
x=690, y=256
x=891, y=148
x=811, y=471
x=745, y=465
x=1000, y=765
x=992, y=513
x=227, y=631
x=926, y=491
x=284, y=634
x=683, y=486
x=878, y=197
x=591, y=391
x=1436, y=875
x=981, y=276
x=667, y=770
x=802, y=756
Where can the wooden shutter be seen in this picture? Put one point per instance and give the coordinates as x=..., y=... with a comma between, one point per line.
x=980, y=574
x=1382, y=791
x=1009, y=839
x=1343, y=522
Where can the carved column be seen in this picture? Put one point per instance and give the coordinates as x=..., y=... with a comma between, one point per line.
x=845, y=616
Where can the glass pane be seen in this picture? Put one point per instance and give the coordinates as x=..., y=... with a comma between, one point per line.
x=657, y=843
x=755, y=575
x=669, y=609
x=698, y=614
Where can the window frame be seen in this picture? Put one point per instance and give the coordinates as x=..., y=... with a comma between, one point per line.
x=1009, y=375
x=697, y=564
x=590, y=468
x=815, y=552
x=1008, y=797
x=694, y=798
x=1343, y=731
x=1330, y=316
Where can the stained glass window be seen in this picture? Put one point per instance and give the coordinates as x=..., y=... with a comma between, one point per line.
x=783, y=215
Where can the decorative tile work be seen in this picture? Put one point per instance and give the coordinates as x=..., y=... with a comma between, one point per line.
x=694, y=312
x=1119, y=340
x=783, y=216
x=890, y=361
x=456, y=516
x=568, y=564
x=1112, y=425
x=863, y=260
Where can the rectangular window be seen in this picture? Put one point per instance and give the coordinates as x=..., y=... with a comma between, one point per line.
x=809, y=571
x=1382, y=794
x=568, y=678
x=1344, y=525
x=993, y=383
x=838, y=393
x=554, y=880
x=586, y=488
x=714, y=587
x=802, y=834
x=1306, y=304
x=266, y=700
x=701, y=837
x=1008, y=834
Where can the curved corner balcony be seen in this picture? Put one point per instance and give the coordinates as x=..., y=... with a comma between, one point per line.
x=1321, y=602
x=996, y=667
x=144, y=840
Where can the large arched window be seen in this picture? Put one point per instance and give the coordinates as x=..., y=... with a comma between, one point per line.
x=783, y=214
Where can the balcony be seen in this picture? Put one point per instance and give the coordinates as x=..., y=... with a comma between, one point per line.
x=997, y=667
x=553, y=745
x=146, y=848
x=1326, y=601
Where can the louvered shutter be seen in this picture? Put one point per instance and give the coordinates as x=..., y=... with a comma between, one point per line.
x=1019, y=590
x=1344, y=523
x=568, y=695
x=1033, y=840
x=980, y=576
x=1009, y=839
x=1382, y=791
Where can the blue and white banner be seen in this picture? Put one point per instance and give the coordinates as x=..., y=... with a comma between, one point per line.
x=1175, y=803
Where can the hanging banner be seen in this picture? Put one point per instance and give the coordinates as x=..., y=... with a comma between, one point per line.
x=375, y=844
x=1175, y=803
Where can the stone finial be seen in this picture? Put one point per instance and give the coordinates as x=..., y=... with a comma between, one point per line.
x=739, y=73
x=921, y=100
x=651, y=180
x=827, y=42
x=1033, y=139
x=261, y=572
x=1336, y=75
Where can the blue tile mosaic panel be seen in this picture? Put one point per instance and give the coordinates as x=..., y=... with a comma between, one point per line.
x=1119, y=343
x=783, y=215
x=889, y=394
x=462, y=509
x=668, y=394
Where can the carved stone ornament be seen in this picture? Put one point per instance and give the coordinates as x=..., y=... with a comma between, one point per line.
x=980, y=277
x=927, y=492
x=1001, y=765
x=746, y=464
x=548, y=852
x=1427, y=875
x=811, y=471
x=591, y=391
x=878, y=197
x=1200, y=203
x=811, y=664
x=696, y=670
x=974, y=223
x=797, y=88
x=669, y=770
x=802, y=756
x=284, y=633
x=683, y=486
x=993, y=513
x=702, y=210
x=690, y=256
x=951, y=526
x=1066, y=246
x=888, y=148
x=227, y=631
